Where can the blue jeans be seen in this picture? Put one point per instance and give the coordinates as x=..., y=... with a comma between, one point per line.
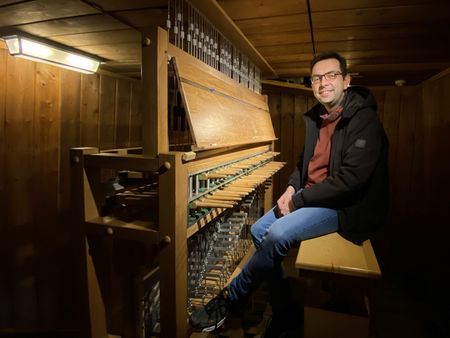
x=273, y=237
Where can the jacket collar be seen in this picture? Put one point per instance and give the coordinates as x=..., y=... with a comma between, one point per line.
x=356, y=97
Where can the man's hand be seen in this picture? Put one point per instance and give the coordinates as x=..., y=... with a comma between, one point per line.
x=284, y=203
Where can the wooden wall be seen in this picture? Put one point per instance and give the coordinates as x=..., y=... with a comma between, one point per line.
x=431, y=188
x=412, y=247
x=44, y=111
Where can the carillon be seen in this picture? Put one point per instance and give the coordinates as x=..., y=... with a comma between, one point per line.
x=194, y=200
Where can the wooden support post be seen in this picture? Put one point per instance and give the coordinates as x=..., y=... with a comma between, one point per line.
x=155, y=137
x=93, y=321
x=173, y=255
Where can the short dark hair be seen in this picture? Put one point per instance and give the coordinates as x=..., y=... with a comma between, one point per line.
x=331, y=55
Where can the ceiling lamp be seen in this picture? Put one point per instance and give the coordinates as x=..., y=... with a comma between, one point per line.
x=51, y=53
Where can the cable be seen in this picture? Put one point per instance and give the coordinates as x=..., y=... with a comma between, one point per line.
x=311, y=27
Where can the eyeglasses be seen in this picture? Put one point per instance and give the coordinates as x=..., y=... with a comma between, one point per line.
x=330, y=76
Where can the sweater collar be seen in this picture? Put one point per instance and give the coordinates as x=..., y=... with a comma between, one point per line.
x=331, y=116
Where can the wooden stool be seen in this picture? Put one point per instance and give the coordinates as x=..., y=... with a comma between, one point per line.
x=332, y=257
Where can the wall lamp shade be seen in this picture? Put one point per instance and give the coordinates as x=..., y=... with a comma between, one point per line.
x=28, y=48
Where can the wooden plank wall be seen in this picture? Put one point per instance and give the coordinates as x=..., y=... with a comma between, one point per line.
x=412, y=246
x=44, y=111
x=287, y=111
x=431, y=171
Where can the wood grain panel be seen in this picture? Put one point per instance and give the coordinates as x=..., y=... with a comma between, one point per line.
x=89, y=39
x=89, y=110
x=287, y=111
x=380, y=16
x=145, y=17
x=379, y=95
x=45, y=178
x=247, y=9
x=5, y=246
x=287, y=137
x=384, y=31
x=280, y=38
x=274, y=102
x=391, y=77
x=290, y=57
x=34, y=11
x=390, y=122
x=365, y=66
x=46, y=140
x=70, y=131
x=220, y=121
x=369, y=56
x=300, y=108
x=44, y=110
x=118, y=5
x=96, y=23
x=436, y=122
x=126, y=52
x=123, y=113
x=324, y=5
x=3, y=60
x=293, y=72
x=19, y=189
x=435, y=185
x=135, y=115
x=409, y=110
x=375, y=44
x=344, y=46
x=107, y=112
x=269, y=24
x=8, y=2
x=18, y=138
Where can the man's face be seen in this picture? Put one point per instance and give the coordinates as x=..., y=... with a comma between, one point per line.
x=329, y=92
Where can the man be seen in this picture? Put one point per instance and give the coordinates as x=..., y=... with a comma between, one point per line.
x=340, y=184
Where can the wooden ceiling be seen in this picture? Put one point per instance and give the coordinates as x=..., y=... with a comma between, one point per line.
x=383, y=40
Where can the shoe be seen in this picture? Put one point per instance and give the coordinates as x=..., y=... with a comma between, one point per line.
x=212, y=315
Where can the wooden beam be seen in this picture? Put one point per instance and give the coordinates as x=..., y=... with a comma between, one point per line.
x=173, y=254
x=399, y=67
x=155, y=136
x=436, y=77
x=92, y=310
x=121, y=162
x=285, y=85
x=214, y=13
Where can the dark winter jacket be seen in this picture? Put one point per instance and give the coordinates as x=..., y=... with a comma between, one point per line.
x=357, y=185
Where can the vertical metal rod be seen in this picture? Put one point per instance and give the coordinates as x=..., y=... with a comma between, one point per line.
x=193, y=33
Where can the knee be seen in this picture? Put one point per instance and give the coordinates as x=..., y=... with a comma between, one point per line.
x=257, y=236
x=278, y=240
x=276, y=235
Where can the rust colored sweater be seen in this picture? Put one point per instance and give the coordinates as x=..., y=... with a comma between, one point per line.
x=319, y=164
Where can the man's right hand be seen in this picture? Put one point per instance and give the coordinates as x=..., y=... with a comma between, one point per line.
x=284, y=203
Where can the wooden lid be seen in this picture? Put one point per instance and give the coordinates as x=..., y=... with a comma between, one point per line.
x=220, y=111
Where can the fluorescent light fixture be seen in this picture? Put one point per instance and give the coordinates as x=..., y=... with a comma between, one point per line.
x=33, y=49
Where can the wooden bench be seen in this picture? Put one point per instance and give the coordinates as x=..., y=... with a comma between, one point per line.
x=333, y=258
x=334, y=254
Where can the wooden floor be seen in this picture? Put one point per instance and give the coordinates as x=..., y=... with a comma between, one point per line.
x=313, y=323
x=397, y=311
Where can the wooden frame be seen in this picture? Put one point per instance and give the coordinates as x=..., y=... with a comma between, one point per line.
x=170, y=235
x=86, y=165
